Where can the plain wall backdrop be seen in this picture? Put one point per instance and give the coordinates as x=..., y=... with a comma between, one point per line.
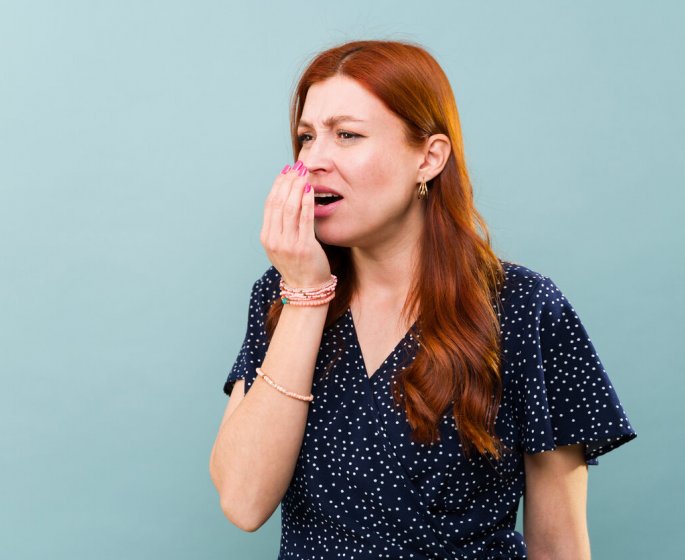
x=138, y=141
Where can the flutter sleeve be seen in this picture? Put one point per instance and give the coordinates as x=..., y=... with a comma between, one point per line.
x=253, y=350
x=567, y=396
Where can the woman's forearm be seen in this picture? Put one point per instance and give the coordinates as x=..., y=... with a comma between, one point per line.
x=257, y=447
x=562, y=547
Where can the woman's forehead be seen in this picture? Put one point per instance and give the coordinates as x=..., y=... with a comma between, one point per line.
x=340, y=99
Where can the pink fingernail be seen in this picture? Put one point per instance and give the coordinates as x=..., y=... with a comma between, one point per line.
x=302, y=172
x=307, y=187
x=297, y=165
x=285, y=169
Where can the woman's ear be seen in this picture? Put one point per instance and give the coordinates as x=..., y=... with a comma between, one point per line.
x=436, y=152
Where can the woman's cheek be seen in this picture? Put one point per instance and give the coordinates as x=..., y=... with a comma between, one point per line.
x=373, y=169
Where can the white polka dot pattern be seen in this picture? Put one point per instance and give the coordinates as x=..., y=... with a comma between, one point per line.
x=362, y=489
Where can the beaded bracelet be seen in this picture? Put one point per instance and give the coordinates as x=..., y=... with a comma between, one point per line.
x=276, y=386
x=318, y=295
x=307, y=303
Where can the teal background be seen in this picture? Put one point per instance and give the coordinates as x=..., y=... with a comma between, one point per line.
x=138, y=141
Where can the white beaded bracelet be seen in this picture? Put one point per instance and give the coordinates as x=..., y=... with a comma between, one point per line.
x=282, y=389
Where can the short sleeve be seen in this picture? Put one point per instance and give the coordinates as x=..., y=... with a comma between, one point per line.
x=253, y=350
x=567, y=396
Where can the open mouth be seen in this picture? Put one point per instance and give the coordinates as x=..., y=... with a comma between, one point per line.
x=324, y=199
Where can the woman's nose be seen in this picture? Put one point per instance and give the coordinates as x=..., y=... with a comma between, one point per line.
x=317, y=156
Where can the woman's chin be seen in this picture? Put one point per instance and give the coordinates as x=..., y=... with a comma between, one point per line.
x=329, y=236
x=334, y=242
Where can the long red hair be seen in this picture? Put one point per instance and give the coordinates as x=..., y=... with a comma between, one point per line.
x=458, y=360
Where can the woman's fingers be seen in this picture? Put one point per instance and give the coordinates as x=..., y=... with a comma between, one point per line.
x=280, y=208
x=292, y=208
x=288, y=230
x=306, y=229
x=271, y=204
x=277, y=201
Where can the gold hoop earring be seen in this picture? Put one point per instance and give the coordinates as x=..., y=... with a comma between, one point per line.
x=423, y=190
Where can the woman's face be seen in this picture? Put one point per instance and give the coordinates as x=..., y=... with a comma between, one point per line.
x=367, y=161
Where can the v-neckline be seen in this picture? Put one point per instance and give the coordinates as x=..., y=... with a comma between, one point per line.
x=388, y=357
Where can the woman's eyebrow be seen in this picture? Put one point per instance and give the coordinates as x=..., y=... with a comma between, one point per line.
x=332, y=121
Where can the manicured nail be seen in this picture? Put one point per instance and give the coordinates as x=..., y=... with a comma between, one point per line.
x=297, y=165
x=285, y=169
x=302, y=172
x=307, y=187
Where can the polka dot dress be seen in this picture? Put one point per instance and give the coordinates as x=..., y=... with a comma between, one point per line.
x=363, y=490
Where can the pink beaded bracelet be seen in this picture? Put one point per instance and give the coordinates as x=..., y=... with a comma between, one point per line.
x=318, y=295
x=276, y=386
x=308, y=303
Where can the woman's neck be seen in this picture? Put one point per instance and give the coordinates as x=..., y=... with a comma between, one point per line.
x=386, y=272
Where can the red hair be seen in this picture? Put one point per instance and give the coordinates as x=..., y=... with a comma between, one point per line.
x=458, y=361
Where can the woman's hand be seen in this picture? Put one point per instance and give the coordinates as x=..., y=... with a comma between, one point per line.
x=288, y=231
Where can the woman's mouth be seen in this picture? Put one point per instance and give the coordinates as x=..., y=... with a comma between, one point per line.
x=324, y=199
x=325, y=204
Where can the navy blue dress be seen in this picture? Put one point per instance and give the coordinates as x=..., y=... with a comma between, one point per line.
x=363, y=490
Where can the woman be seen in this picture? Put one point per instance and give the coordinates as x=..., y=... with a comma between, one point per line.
x=400, y=387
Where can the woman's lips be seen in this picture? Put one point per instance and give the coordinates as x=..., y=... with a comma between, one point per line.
x=323, y=210
x=325, y=189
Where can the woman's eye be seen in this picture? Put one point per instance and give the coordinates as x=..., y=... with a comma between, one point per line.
x=303, y=138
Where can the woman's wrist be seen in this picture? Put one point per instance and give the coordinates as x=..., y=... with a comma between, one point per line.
x=309, y=296
x=306, y=311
